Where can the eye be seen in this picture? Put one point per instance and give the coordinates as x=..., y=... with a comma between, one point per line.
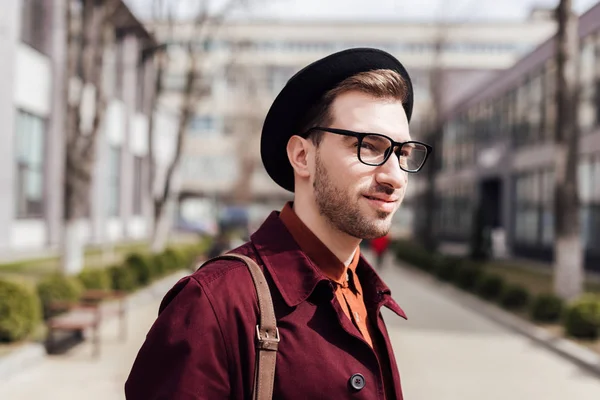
x=367, y=146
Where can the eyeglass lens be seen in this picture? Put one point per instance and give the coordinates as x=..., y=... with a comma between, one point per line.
x=374, y=150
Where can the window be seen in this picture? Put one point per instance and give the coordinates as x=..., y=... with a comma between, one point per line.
x=33, y=23
x=138, y=188
x=204, y=125
x=30, y=144
x=140, y=90
x=534, y=218
x=587, y=109
x=589, y=195
x=119, y=68
x=114, y=181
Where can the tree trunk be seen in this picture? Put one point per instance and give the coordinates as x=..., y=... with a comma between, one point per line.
x=187, y=109
x=81, y=144
x=568, y=248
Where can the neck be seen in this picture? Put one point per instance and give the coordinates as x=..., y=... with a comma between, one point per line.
x=342, y=245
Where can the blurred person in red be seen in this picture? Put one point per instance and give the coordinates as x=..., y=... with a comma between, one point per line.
x=379, y=246
x=337, y=136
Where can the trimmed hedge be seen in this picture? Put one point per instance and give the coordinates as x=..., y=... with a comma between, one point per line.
x=582, y=317
x=20, y=311
x=467, y=276
x=21, y=308
x=448, y=268
x=97, y=278
x=515, y=297
x=142, y=268
x=57, y=287
x=122, y=278
x=489, y=286
x=547, y=308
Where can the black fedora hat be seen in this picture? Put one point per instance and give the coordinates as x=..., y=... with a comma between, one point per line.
x=304, y=90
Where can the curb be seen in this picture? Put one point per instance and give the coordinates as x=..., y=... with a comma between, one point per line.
x=568, y=349
x=30, y=354
x=21, y=359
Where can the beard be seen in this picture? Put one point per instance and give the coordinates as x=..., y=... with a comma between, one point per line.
x=342, y=211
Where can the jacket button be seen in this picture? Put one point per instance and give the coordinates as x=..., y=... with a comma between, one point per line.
x=357, y=381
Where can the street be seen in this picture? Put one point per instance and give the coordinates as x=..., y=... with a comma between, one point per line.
x=444, y=351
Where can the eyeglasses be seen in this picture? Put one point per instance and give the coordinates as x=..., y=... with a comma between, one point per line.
x=374, y=149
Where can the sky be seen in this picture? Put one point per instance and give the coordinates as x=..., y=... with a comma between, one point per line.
x=356, y=10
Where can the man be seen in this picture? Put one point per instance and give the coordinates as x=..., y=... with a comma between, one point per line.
x=337, y=136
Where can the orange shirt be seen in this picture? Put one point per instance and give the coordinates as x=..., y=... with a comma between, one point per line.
x=349, y=292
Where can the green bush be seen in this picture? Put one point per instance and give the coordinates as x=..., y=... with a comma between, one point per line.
x=489, y=286
x=178, y=256
x=122, y=278
x=57, y=287
x=98, y=278
x=582, y=317
x=413, y=254
x=172, y=260
x=515, y=297
x=447, y=268
x=160, y=264
x=547, y=308
x=19, y=311
x=142, y=268
x=467, y=276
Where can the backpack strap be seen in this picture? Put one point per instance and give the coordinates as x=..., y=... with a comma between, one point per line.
x=267, y=334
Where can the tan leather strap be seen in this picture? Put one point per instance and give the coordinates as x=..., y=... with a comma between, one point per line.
x=267, y=334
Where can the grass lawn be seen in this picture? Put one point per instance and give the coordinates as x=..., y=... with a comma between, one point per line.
x=536, y=279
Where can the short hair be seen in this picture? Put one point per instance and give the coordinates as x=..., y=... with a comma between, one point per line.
x=379, y=83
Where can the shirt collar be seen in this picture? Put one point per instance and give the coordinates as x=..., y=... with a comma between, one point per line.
x=315, y=249
x=296, y=276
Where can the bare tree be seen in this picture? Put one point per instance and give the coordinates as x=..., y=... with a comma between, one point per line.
x=568, y=248
x=205, y=26
x=88, y=31
x=247, y=121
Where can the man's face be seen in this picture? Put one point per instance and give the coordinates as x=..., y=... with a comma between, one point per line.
x=355, y=198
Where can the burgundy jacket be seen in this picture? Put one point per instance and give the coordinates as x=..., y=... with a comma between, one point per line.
x=202, y=345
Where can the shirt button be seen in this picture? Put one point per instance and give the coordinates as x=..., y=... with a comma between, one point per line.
x=357, y=381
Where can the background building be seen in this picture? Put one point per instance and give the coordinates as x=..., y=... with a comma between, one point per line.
x=32, y=144
x=498, y=152
x=246, y=63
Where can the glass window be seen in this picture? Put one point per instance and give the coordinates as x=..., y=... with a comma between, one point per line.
x=585, y=180
x=204, y=125
x=114, y=181
x=33, y=23
x=596, y=181
x=138, y=188
x=29, y=157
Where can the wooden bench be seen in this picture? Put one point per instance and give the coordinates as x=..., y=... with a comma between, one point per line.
x=88, y=313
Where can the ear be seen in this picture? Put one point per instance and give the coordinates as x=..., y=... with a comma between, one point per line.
x=297, y=152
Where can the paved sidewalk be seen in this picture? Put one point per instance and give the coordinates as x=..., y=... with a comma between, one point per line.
x=78, y=376
x=447, y=351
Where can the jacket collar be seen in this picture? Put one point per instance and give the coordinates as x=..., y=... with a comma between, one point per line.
x=296, y=276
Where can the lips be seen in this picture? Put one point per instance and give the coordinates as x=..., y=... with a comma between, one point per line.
x=381, y=198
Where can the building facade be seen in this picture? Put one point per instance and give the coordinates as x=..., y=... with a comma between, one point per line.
x=33, y=143
x=498, y=152
x=246, y=63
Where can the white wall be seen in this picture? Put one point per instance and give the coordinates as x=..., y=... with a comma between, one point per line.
x=33, y=81
x=28, y=234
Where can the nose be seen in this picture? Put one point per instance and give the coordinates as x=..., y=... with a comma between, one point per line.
x=391, y=175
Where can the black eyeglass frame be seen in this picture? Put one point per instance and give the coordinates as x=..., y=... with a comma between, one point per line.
x=361, y=135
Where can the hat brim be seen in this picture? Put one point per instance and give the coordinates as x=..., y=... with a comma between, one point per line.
x=304, y=90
